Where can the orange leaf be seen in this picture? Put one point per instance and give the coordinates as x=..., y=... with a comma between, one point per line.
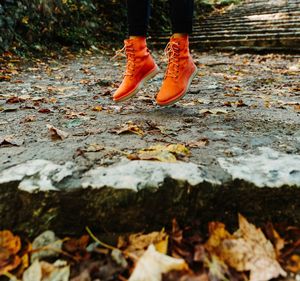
x=294, y=264
x=10, y=242
x=10, y=245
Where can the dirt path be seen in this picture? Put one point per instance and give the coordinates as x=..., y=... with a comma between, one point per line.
x=236, y=104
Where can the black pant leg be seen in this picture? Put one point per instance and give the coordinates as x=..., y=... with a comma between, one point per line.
x=138, y=12
x=182, y=15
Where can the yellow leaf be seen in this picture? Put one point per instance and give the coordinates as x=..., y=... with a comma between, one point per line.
x=294, y=264
x=157, y=152
x=163, y=153
x=10, y=242
x=97, y=108
x=25, y=20
x=10, y=245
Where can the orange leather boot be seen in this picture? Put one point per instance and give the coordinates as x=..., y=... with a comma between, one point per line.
x=140, y=68
x=180, y=71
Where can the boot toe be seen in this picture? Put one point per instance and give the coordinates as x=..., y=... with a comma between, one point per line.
x=122, y=92
x=163, y=98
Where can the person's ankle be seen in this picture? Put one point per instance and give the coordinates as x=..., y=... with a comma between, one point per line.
x=136, y=37
x=179, y=35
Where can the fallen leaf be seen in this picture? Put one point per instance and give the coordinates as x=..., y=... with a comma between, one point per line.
x=60, y=89
x=5, y=78
x=97, y=108
x=153, y=264
x=33, y=273
x=186, y=244
x=12, y=100
x=29, y=118
x=138, y=243
x=94, y=147
x=10, y=245
x=227, y=103
x=240, y=103
x=246, y=250
x=44, y=271
x=163, y=153
x=77, y=247
x=56, y=134
x=294, y=264
x=185, y=275
x=199, y=143
x=213, y=111
x=46, y=245
x=297, y=107
x=130, y=127
x=217, y=269
x=8, y=140
x=275, y=238
x=44, y=110
x=9, y=109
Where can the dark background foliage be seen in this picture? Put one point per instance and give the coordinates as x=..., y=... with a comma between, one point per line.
x=37, y=24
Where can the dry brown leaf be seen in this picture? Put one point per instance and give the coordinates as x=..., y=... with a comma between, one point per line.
x=60, y=89
x=29, y=118
x=130, y=127
x=56, y=134
x=15, y=99
x=297, y=107
x=213, y=111
x=94, y=147
x=77, y=247
x=44, y=110
x=240, y=103
x=5, y=78
x=199, y=143
x=275, y=238
x=246, y=250
x=8, y=140
x=138, y=243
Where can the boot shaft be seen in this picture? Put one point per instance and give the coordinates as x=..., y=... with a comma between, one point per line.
x=138, y=46
x=183, y=45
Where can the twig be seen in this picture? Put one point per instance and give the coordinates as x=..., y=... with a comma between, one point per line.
x=125, y=253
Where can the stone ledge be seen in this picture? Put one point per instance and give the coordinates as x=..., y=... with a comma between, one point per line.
x=142, y=195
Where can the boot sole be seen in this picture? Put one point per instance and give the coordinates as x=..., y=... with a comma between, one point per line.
x=140, y=85
x=184, y=92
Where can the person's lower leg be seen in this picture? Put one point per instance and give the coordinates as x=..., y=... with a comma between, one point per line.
x=140, y=64
x=181, y=68
x=181, y=12
x=138, y=13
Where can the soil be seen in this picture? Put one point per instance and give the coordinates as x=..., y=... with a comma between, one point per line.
x=237, y=102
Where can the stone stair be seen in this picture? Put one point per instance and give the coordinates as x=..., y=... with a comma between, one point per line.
x=252, y=25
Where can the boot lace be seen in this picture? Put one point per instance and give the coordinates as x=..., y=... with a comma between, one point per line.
x=172, y=53
x=127, y=51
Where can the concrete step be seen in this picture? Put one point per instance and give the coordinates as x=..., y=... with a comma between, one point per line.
x=253, y=24
x=137, y=196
